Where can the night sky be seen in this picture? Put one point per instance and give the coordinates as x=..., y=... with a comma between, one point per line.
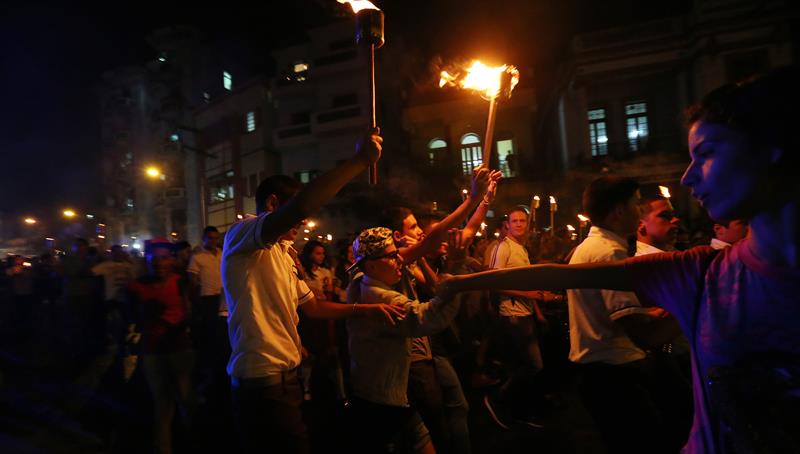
x=53, y=56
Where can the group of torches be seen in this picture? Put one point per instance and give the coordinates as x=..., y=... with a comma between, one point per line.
x=493, y=84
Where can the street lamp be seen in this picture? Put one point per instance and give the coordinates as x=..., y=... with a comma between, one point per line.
x=69, y=213
x=30, y=221
x=154, y=172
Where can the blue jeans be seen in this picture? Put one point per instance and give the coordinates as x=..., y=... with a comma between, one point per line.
x=455, y=406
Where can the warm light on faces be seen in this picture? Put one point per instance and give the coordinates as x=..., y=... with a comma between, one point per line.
x=318, y=255
x=660, y=225
x=411, y=229
x=517, y=224
x=387, y=267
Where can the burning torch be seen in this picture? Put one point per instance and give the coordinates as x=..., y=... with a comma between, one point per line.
x=534, y=206
x=493, y=84
x=584, y=220
x=369, y=33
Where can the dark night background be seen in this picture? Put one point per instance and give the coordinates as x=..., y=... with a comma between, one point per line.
x=53, y=56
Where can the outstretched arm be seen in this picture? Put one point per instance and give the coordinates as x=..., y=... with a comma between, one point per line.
x=325, y=309
x=609, y=275
x=322, y=189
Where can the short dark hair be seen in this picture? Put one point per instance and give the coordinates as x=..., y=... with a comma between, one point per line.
x=209, y=229
x=393, y=217
x=281, y=186
x=645, y=204
x=516, y=208
x=181, y=245
x=424, y=220
x=606, y=193
x=305, y=256
x=764, y=108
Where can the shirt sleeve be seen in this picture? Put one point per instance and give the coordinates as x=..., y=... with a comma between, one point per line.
x=304, y=294
x=422, y=319
x=244, y=236
x=672, y=280
x=193, y=267
x=500, y=256
x=618, y=304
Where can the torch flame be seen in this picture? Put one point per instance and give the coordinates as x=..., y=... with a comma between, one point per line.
x=484, y=79
x=552, y=200
x=358, y=5
x=664, y=191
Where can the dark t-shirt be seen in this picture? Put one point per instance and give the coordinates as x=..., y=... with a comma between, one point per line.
x=730, y=304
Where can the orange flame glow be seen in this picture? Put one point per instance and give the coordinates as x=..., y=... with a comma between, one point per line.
x=664, y=191
x=358, y=5
x=484, y=79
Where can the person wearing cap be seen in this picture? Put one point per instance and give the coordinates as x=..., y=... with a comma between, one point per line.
x=380, y=352
x=263, y=292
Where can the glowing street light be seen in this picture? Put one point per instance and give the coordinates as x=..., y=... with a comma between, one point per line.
x=30, y=221
x=153, y=172
x=311, y=224
x=69, y=213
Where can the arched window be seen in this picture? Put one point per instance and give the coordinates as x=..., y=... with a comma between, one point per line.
x=471, y=152
x=436, y=148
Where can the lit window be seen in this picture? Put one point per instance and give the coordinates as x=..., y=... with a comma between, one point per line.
x=505, y=156
x=598, y=135
x=471, y=153
x=636, y=122
x=435, y=149
x=306, y=177
x=227, y=80
x=251, y=121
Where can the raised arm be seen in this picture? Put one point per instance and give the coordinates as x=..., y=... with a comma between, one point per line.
x=322, y=189
x=479, y=215
x=480, y=181
x=610, y=275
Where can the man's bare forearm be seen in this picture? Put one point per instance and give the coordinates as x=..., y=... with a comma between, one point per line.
x=439, y=232
x=312, y=197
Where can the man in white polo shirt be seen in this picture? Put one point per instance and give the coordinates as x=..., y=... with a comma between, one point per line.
x=209, y=329
x=615, y=384
x=263, y=293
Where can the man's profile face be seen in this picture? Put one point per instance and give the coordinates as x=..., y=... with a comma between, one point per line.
x=660, y=224
x=411, y=229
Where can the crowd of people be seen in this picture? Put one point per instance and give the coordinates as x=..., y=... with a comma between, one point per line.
x=373, y=347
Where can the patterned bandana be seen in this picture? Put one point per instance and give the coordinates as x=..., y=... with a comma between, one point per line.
x=371, y=243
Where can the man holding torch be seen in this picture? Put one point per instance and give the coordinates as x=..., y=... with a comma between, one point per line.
x=263, y=294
